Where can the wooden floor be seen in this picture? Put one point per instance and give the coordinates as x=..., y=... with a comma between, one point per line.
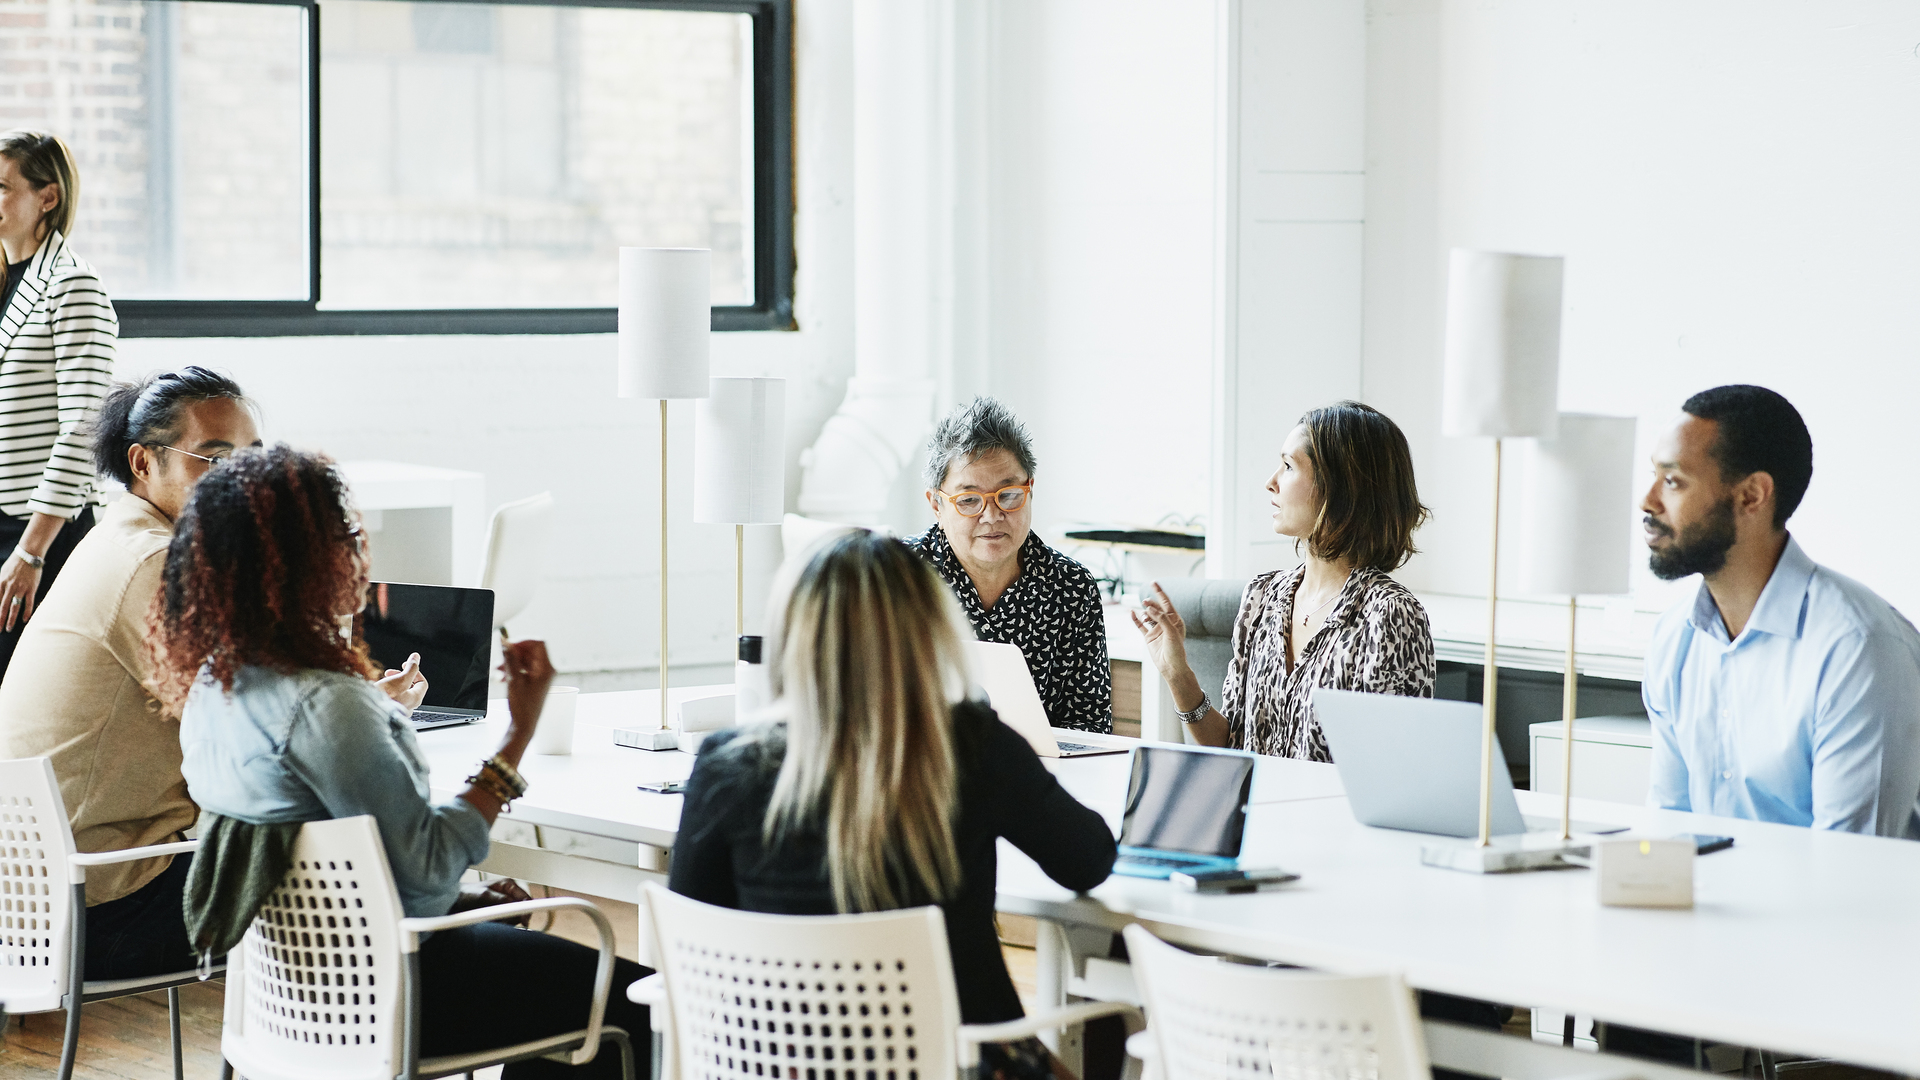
x=123, y=1039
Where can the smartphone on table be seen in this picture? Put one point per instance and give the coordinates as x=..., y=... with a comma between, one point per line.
x=1231, y=880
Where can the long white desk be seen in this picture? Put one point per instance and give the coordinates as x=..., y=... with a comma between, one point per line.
x=1801, y=941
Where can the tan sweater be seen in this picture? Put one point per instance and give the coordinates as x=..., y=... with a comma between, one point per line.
x=74, y=692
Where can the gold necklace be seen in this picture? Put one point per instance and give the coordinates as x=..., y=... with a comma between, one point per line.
x=1306, y=620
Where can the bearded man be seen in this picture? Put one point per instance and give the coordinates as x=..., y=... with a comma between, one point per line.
x=1781, y=691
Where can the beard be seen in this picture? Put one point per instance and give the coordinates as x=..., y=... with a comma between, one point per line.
x=1700, y=548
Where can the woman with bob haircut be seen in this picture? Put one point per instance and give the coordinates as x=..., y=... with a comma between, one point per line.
x=285, y=720
x=1344, y=490
x=873, y=784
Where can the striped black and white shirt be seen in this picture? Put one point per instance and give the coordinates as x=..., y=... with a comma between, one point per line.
x=57, y=340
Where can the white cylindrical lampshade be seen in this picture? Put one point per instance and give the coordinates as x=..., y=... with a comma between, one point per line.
x=739, y=458
x=1503, y=345
x=666, y=319
x=1578, y=507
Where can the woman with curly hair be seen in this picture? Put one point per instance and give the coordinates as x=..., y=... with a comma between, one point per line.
x=284, y=720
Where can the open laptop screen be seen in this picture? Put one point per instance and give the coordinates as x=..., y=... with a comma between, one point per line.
x=451, y=630
x=1187, y=800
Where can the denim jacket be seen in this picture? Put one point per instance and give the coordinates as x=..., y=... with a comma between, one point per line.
x=316, y=745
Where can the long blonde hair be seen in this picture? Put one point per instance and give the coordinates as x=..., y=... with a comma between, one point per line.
x=866, y=660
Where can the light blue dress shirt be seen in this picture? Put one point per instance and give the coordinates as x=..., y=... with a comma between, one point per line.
x=318, y=745
x=1810, y=717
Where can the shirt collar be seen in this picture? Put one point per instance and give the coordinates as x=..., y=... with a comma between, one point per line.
x=1778, y=609
x=1037, y=566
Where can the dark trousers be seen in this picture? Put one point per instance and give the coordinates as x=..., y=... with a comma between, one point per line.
x=492, y=985
x=142, y=933
x=11, y=529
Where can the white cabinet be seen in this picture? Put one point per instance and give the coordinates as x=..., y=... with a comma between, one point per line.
x=1611, y=757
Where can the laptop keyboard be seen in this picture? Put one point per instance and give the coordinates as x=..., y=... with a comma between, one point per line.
x=1153, y=860
x=1077, y=747
x=428, y=716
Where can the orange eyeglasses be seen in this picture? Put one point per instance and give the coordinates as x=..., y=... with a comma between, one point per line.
x=974, y=503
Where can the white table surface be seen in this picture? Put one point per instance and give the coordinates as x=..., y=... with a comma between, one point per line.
x=1800, y=940
x=593, y=790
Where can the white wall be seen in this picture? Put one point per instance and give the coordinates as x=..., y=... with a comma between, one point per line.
x=1098, y=303
x=1733, y=185
x=539, y=413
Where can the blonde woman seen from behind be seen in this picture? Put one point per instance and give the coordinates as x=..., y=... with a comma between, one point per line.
x=57, y=337
x=878, y=786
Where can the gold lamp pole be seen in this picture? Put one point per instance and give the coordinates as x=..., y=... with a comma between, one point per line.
x=1490, y=669
x=666, y=318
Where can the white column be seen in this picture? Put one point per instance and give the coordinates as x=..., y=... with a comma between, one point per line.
x=903, y=132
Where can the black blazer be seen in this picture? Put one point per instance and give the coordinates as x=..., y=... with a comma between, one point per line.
x=1004, y=791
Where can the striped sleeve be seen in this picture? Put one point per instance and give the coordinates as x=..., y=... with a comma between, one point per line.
x=84, y=331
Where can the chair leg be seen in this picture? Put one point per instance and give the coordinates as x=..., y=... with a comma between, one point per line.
x=619, y=1038
x=1566, y=1031
x=173, y=1030
x=76, y=979
x=1767, y=1066
x=226, y=1068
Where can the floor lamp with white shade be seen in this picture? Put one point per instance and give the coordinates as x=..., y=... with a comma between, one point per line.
x=666, y=321
x=740, y=479
x=1576, y=511
x=740, y=467
x=1501, y=381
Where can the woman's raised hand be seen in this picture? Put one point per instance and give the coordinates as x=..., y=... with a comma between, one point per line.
x=1165, y=632
x=529, y=673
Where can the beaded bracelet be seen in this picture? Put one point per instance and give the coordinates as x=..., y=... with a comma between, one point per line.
x=507, y=774
x=486, y=780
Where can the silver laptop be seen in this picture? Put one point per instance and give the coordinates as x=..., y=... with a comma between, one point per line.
x=1002, y=672
x=451, y=629
x=1414, y=763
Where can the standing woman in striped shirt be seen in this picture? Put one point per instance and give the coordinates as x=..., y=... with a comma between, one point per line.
x=57, y=334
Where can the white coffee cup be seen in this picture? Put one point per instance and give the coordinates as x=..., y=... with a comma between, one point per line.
x=555, y=733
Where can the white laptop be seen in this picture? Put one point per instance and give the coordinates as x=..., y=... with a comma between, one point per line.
x=1002, y=672
x=1414, y=763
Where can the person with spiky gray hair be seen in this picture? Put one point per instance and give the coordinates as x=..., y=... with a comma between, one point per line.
x=1013, y=587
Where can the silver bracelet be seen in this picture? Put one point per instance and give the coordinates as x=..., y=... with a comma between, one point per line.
x=1195, y=714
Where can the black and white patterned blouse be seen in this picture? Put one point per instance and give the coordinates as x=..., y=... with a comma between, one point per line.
x=1375, y=639
x=1052, y=611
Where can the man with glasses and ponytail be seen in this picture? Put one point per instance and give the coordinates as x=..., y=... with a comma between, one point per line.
x=1012, y=586
x=78, y=690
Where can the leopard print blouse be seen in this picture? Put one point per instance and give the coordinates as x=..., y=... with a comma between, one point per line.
x=1374, y=639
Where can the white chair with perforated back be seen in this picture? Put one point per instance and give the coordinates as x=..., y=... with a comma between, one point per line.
x=1211, y=1019
x=516, y=554
x=43, y=910
x=326, y=982
x=817, y=997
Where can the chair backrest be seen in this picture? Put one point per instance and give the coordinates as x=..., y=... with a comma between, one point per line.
x=1218, y=1020
x=1208, y=606
x=516, y=554
x=806, y=997
x=36, y=895
x=314, y=989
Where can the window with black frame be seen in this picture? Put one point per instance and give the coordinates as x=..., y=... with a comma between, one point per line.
x=252, y=167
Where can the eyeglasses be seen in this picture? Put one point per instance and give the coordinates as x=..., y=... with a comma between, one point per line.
x=214, y=460
x=974, y=503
